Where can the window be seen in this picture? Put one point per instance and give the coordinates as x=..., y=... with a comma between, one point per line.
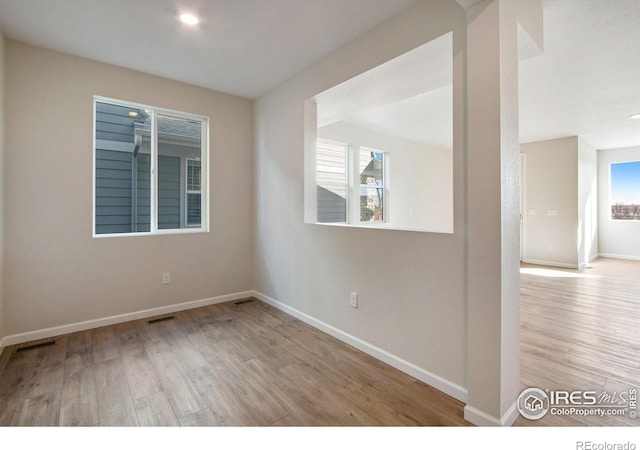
x=335, y=197
x=405, y=131
x=625, y=191
x=332, y=181
x=371, y=185
x=149, y=169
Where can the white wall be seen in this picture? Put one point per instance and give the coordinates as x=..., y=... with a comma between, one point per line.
x=420, y=177
x=411, y=285
x=551, y=186
x=587, y=203
x=618, y=238
x=444, y=307
x=56, y=273
x=2, y=183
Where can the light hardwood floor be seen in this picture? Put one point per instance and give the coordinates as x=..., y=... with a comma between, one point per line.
x=580, y=330
x=228, y=364
x=250, y=364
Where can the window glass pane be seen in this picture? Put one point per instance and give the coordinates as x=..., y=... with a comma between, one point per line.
x=371, y=204
x=122, y=178
x=331, y=176
x=148, y=169
x=194, y=199
x=371, y=167
x=371, y=185
x=193, y=175
x=178, y=140
x=625, y=191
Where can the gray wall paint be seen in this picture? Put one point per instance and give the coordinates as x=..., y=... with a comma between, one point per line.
x=588, y=245
x=561, y=226
x=552, y=201
x=56, y=272
x=2, y=183
x=411, y=285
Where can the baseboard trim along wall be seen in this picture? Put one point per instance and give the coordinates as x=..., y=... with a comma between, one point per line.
x=550, y=263
x=112, y=320
x=611, y=255
x=438, y=382
x=480, y=418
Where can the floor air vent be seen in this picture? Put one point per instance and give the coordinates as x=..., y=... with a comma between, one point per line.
x=244, y=301
x=160, y=319
x=34, y=346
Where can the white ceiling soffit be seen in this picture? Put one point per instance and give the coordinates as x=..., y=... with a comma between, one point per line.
x=242, y=47
x=426, y=118
x=409, y=96
x=466, y=4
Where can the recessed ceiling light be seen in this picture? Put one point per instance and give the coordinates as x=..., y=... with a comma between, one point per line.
x=189, y=19
x=133, y=113
x=635, y=116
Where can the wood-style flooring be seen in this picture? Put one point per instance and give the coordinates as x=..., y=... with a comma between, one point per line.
x=251, y=364
x=580, y=330
x=231, y=364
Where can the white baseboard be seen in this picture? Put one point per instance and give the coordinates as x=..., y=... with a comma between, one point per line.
x=454, y=390
x=436, y=381
x=611, y=255
x=550, y=263
x=480, y=418
x=589, y=261
x=111, y=320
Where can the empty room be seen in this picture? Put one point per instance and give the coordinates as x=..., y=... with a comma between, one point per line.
x=319, y=213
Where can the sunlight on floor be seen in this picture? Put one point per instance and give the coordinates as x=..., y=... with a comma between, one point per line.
x=552, y=273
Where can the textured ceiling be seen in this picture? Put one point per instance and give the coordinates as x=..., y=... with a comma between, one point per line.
x=586, y=83
x=242, y=47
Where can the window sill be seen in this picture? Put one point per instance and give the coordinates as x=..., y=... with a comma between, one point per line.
x=155, y=233
x=380, y=226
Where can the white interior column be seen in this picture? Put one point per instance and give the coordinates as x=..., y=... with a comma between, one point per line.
x=493, y=196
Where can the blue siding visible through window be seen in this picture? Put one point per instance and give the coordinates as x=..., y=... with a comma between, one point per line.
x=128, y=140
x=113, y=191
x=168, y=192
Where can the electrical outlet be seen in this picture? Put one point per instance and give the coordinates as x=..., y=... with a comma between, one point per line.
x=166, y=278
x=353, y=300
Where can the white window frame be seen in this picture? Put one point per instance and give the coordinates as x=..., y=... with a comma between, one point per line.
x=204, y=170
x=353, y=186
x=610, y=212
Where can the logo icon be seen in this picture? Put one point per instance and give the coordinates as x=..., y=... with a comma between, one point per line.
x=533, y=403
